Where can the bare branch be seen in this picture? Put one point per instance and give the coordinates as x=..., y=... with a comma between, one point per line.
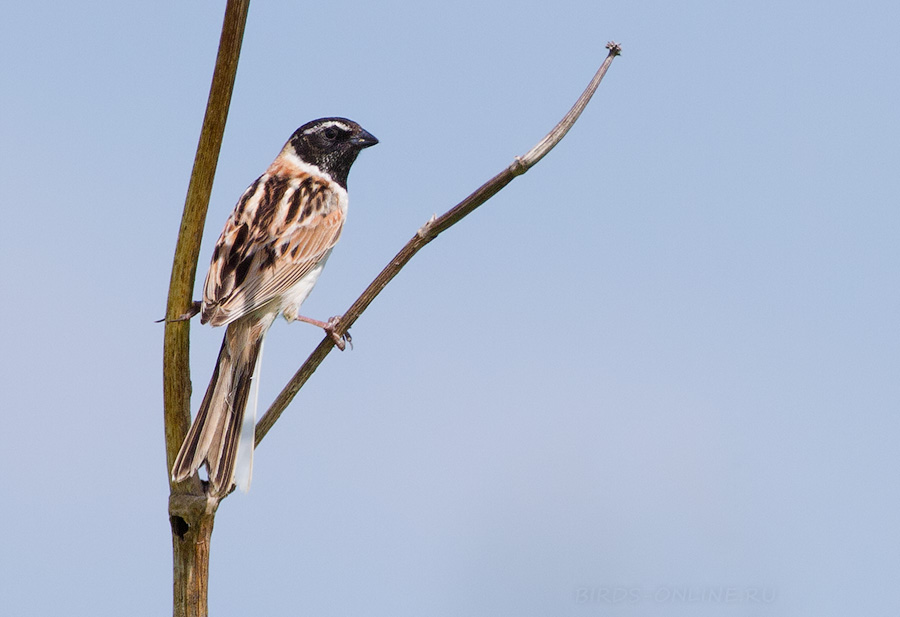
x=191, y=514
x=426, y=234
x=559, y=131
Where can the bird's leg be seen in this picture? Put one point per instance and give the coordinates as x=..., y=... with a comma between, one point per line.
x=329, y=327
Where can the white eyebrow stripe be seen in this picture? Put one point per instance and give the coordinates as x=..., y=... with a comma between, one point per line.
x=325, y=125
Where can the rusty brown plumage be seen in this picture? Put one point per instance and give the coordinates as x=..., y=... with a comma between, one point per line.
x=267, y=260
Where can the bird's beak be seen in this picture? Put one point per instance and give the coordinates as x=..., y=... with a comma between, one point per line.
x=363, y=139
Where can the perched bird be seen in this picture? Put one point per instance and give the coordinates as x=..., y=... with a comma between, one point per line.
x=266, y=262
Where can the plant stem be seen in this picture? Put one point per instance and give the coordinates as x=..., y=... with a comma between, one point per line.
x=191, y=514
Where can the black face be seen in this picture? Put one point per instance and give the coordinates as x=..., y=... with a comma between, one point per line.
x=331, y=144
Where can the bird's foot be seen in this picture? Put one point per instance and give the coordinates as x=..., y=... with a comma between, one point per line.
x=195, y=308
x=340, y=340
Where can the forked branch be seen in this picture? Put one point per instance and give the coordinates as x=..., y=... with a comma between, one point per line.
x=426, y=234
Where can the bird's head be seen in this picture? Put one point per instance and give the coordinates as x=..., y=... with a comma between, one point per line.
x=332, y=145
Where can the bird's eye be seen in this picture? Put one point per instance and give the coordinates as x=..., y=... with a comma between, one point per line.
x=330, y=133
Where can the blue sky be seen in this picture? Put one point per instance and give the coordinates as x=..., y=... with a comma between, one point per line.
x=658, y=369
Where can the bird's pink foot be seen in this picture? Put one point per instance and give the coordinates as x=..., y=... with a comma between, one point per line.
x=341, y=340
x=330, y=327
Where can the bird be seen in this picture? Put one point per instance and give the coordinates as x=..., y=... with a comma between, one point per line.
x=266, y=262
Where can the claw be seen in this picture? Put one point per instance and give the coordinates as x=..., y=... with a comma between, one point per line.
x=340, y=341
x=195, y=308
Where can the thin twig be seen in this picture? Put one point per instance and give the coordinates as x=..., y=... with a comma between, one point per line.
x=426, y=234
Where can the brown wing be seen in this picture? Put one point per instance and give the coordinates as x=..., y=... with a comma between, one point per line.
x=280, y=229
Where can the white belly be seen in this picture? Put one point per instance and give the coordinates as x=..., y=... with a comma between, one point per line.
x=296, y=295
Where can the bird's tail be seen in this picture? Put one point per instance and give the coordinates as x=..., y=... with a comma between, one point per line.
x=222, y=428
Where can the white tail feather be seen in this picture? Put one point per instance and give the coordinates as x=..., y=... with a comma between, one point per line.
x=243, y=464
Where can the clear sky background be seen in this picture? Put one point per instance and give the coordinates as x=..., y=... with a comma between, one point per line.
x=660, y=368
